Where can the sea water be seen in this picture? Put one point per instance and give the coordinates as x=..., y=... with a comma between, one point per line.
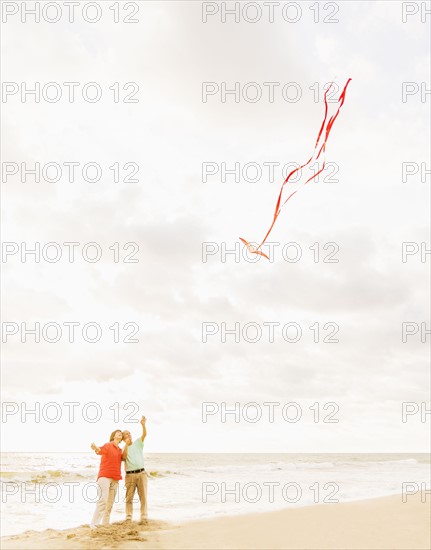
x=58, y=490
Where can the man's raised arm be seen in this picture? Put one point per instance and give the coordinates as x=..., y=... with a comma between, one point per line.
x=144, y=428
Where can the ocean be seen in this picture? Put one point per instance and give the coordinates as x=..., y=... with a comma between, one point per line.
x=58, y=490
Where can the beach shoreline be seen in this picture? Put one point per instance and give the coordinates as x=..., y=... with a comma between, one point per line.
x=384, y=523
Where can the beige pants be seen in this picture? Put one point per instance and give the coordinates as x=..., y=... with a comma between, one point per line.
x=107, y=490
x=139, y=482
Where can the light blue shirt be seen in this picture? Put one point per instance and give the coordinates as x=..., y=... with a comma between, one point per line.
x=135, y=456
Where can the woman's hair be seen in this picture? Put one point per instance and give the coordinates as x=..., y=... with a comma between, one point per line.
x=111, y=437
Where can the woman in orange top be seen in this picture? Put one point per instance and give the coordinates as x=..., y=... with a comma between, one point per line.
x=108, y=477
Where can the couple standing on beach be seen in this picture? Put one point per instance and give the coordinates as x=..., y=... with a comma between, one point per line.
x=110, y=473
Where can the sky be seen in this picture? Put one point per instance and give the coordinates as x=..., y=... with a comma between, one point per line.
x=178, y=227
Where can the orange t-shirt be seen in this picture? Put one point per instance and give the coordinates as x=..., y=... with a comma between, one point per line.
x=110, y=464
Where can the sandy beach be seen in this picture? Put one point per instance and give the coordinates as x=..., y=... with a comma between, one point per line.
x=376, y=524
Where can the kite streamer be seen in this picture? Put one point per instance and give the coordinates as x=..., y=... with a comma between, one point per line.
x=324, y=134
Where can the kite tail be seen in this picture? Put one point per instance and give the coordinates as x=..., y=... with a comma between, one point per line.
x=279, y=206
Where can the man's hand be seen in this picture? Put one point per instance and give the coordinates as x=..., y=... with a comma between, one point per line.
x=143, y=420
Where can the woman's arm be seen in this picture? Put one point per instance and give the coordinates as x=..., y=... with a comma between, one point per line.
x=95, y=448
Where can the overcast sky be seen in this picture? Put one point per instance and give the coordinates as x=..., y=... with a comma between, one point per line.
x=170, y=213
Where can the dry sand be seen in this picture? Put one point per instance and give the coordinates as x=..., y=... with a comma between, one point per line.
x=383, y=523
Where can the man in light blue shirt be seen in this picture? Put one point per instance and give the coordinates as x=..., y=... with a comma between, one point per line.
x=136, y=477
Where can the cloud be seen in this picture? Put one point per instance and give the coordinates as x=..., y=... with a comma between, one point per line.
x=170, y=213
